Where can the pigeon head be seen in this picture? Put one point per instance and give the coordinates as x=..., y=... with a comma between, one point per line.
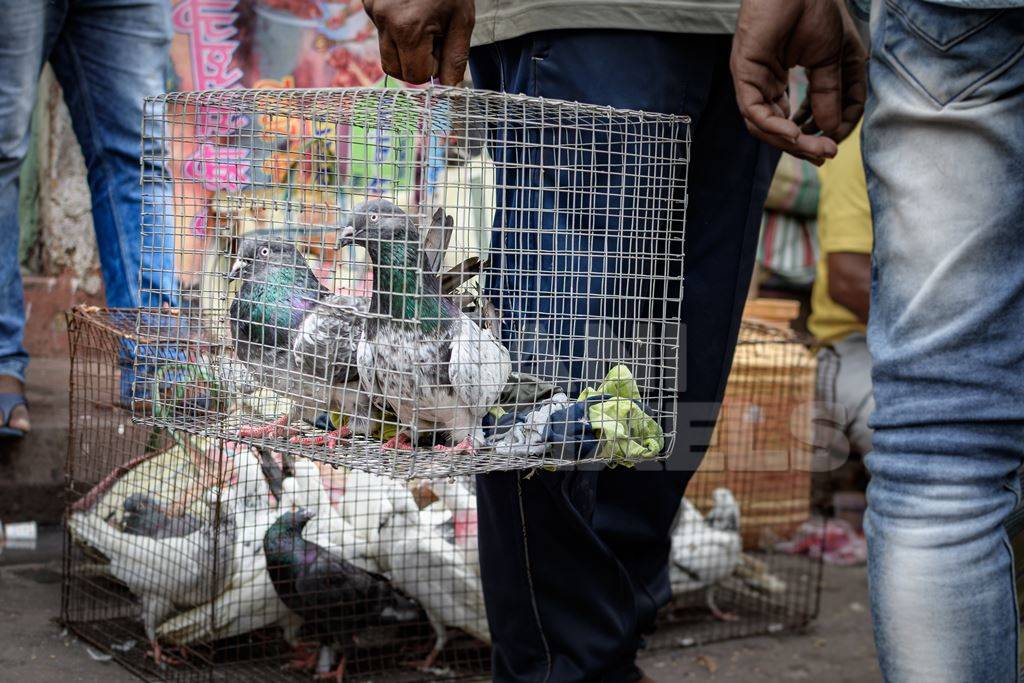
x=724, y=497
x=384, y=230
x=258, y=255
x=138, y=503
x=296, y=520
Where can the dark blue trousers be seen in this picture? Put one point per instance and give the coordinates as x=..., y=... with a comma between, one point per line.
x=575, y=562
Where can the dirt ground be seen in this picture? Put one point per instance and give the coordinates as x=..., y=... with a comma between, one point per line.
x=835, y=648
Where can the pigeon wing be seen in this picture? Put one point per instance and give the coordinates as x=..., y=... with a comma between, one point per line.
x=434, y=240
x=479, y=367
x=325, y=344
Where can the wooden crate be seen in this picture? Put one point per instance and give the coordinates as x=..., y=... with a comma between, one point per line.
x=761, y=448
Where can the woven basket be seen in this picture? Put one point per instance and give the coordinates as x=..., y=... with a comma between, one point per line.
x=761, y=448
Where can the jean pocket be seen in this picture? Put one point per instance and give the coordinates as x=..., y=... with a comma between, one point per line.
x=948, y=53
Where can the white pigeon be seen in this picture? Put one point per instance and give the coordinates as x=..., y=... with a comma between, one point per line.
x=461, y=502
x=249, y=601
x=366, y=503
x=328, y=528
x=434, y=572
x=702, y=556
x=165, y=574
x=725, y=511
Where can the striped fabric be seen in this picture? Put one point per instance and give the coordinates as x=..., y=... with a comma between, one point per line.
x=788, y=249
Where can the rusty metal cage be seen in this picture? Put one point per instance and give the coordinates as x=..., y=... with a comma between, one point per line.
x=167, y=566
x=348, y=268
x=746, y=546
x=190, y=557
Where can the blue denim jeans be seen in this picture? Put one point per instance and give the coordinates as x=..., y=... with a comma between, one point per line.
x=575, y=562
x=107, y=55
x=943, y=146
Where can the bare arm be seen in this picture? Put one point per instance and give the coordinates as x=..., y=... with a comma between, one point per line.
x=849, y=281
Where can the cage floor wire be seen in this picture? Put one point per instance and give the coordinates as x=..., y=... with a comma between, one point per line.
x=469, y=275
x=198, y=392
x=194, y=558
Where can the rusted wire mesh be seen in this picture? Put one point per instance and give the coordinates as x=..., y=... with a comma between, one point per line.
x=191, y=558
x=744, y=558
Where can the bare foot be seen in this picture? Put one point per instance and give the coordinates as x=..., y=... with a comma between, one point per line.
x=19, y=416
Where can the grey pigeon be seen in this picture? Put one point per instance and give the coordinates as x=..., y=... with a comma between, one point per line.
x=297, y=338
x=144, y=516
x=437, y=369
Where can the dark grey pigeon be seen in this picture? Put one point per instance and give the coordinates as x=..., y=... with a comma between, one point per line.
x=297, y=338
x=144, y=516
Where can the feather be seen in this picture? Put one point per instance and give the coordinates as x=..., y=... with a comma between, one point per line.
x=296, y=338
x=248, y=601
x=334, y=598
x=437, y=369
x=327, y=528
x=167, y=573
x=435, y=573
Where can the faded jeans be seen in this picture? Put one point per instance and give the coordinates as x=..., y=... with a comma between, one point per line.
x=107, y=55
x=944, y=150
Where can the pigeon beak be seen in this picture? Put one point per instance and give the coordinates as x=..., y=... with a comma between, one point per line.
x=236, y=269
x=348, y=236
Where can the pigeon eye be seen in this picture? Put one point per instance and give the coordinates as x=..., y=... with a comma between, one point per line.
x=264, y=251
x=373, y=217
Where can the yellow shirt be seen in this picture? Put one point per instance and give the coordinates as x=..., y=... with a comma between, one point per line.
x=844, y=225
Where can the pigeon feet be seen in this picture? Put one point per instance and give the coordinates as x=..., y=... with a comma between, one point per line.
x=329, y=438
x=275, y=429
x=465, y=446
x=425, y=663
x=399, y=442
x=303, y=657
x=160, y=657
x=716, y=612
x=337, y=675
x=725, y=616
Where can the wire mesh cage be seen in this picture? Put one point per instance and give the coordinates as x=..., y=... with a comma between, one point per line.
x=190, y=557
x=421, y=282
x=744, y=557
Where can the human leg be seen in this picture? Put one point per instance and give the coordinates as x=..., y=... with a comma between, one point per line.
x=730, y=174
x=568, y=593
x=944, y=148
x=853, y=390
x=27, y=31
x=109, y=56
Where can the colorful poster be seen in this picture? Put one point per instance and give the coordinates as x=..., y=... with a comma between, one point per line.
x=273, y=43
x=237, y=173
